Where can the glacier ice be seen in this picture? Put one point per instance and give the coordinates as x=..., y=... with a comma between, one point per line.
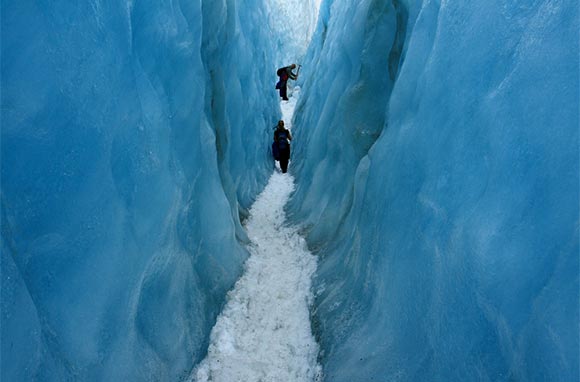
x=292, y=24
x=450, y=251
x=127, y=158
x=345, y=90
x=436, y=165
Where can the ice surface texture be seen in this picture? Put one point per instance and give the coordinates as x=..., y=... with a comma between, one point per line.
x=436, y=160
x=264, y=333
x=292, y=23
x=347, y=83
x=123, y=163
x=453, y=250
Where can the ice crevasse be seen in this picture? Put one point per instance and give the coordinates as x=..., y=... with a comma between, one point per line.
x=436, y=165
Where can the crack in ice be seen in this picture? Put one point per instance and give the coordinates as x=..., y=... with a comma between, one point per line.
x=264, y=333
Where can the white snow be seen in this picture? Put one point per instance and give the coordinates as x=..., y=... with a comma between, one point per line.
x=264, y=332
x=289, y=106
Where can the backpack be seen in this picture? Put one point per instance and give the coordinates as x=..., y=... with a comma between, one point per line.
x=282, y=74
x=283, y=141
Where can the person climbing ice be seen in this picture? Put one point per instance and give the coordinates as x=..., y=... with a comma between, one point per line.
x=281, y=145
x=285, y=73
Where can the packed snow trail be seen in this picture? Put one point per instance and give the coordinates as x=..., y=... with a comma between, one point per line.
x=264, y=334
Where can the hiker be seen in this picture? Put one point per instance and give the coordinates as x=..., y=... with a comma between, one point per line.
x=285, y=73
x=281, y=145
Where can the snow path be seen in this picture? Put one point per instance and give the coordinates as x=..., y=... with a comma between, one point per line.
x=264, y=334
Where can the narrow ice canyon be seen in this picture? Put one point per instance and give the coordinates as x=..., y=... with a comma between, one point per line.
x=429, y=221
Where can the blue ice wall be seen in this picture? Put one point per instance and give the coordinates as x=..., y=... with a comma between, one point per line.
x=133, y=136
x=242, y=103
x=347, y=83
x=450, y=251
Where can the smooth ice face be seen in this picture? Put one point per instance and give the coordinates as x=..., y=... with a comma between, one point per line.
x=125, y=156
x=457, y=258
x=348, y=78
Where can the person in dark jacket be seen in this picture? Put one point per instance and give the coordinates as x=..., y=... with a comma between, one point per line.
x=285, y=73
x=282, y=138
